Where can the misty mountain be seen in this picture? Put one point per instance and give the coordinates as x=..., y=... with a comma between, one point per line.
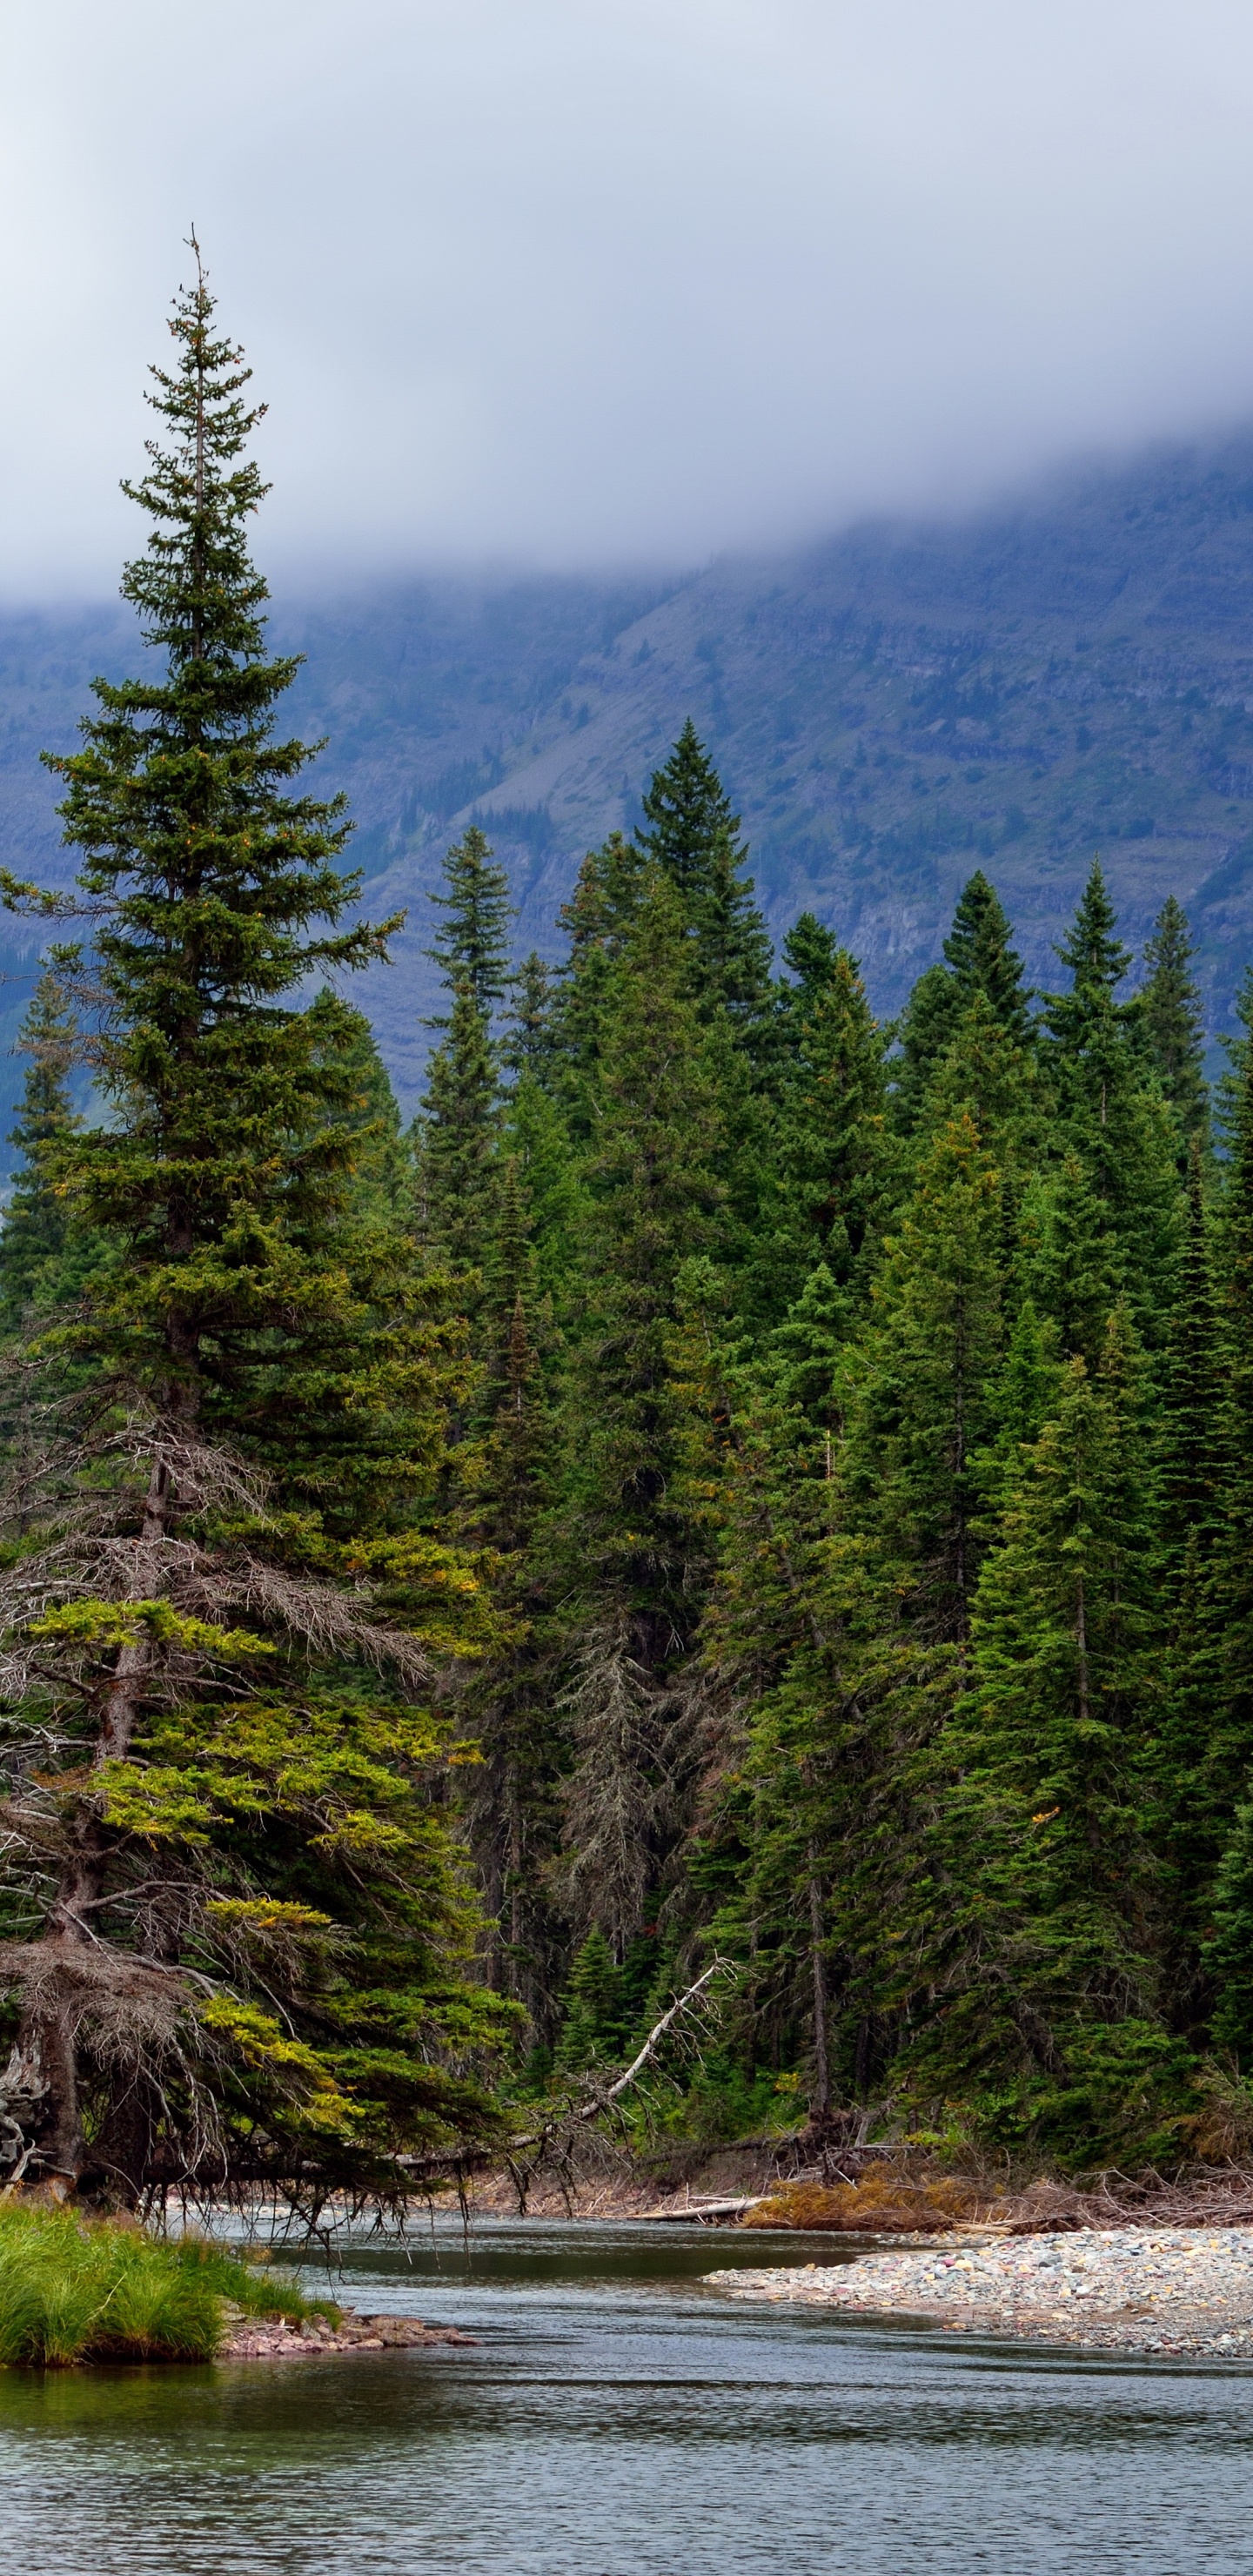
x=889, y=709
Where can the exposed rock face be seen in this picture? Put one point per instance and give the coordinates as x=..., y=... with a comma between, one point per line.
x=889, y=710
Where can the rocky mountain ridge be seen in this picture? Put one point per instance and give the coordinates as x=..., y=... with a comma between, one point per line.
x=1070, y=671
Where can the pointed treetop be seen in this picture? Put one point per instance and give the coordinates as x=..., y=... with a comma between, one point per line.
x=529, y=1044
x=1097, y=960
x=1173, y=1023
x=689, y=816
x=810, y=951
x=982, y=961
x=196, y=589
x=456, y=1135
x=471, y=946
x=692, y=835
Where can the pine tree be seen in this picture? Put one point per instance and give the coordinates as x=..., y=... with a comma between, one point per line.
x=1230, y=1747
x=1193, y=1448
x=692, y=836
x=382, y=1169
x=1043, y=1829
x=528, y=1047
x=831, y=1150
x=818, y=1696
x=471, y=948
x=455, y=1141
x=921, y=1418
x=1170, y=1004
x=1229, y=1946
x=1111, y=1112
x=810, y=952
x=626, y=1533
x=981, y=959
x=1074, y=1262
x=926, y=1030
x=1094, y=954
x=33, y=1244
x=507, y=1703
x=1189, y=1770
x=243, y=1912
x=981, y=967
x=598, y=920
x=592, y=2026
x=986, y=1073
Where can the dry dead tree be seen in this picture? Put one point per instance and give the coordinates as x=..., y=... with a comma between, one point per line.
x=553, y=2140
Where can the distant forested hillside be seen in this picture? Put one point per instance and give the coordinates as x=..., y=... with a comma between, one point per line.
x=889, y=710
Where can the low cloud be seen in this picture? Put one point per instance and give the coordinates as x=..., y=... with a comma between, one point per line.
x=571, y=282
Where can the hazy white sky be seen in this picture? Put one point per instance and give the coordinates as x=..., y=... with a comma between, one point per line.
x=576, y=281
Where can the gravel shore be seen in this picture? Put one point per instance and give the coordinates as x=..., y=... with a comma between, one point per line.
x=1125, y=2289
x=277, y=2339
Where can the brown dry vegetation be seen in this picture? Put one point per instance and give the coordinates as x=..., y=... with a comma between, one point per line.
x=890, y=2200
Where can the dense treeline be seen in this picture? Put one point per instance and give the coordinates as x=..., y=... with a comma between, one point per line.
x=734, y=1476
x=861, y=1427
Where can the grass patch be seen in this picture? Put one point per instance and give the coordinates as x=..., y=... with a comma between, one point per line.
x=74, y=2289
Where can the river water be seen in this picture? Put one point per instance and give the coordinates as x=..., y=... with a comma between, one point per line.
x=618, y=2420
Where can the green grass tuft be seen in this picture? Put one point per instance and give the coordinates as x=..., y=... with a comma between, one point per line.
x=74, y=2289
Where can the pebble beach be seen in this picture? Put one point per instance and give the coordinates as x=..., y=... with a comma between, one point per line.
x=284, y=2339
x=1126, y=2289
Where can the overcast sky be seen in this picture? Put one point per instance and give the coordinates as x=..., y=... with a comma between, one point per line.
x=577, y=282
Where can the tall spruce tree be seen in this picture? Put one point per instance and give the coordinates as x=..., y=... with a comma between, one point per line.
x=1231, y=1751
x=981, y=960
x=936, y=1337
x=980, y=965
x=1189, y=1785
x=241, y=1912
x=471, y=946
x=1057, y=1986
x=691, y=834
x=529, y=1044
x=831, y=1153
x=1110, y=1110
x=1170, y=1001
x=455, y=1140
x=456, y=1135
x=627, y=1533
x=33, y=1243
x=598, y=920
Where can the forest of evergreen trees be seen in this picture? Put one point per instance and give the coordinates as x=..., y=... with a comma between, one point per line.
x=733, y=1478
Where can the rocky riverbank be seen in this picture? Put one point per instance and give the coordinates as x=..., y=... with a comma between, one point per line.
x=1185, y=2290
x=283, y=2339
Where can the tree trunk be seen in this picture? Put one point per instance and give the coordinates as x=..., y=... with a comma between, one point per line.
x=821, y=2103
x=42, y=2073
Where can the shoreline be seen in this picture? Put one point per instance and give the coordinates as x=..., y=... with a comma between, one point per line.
x=1150, y=2291
x=312, y=2338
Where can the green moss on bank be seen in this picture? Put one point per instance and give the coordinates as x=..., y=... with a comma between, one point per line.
x=73, y=2289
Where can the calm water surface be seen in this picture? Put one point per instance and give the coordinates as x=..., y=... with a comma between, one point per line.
x=619, y=2421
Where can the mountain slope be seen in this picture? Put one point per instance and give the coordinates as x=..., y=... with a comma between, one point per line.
x=889, y=709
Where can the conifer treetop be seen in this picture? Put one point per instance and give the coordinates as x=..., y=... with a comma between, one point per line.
x=688, y=815
x=471, y=946
x=196, y=589
x=192, y=850
x=1170, y=1002
x=1096, y=957
x=692, y=836
x=810, y=951
x=979, y=953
